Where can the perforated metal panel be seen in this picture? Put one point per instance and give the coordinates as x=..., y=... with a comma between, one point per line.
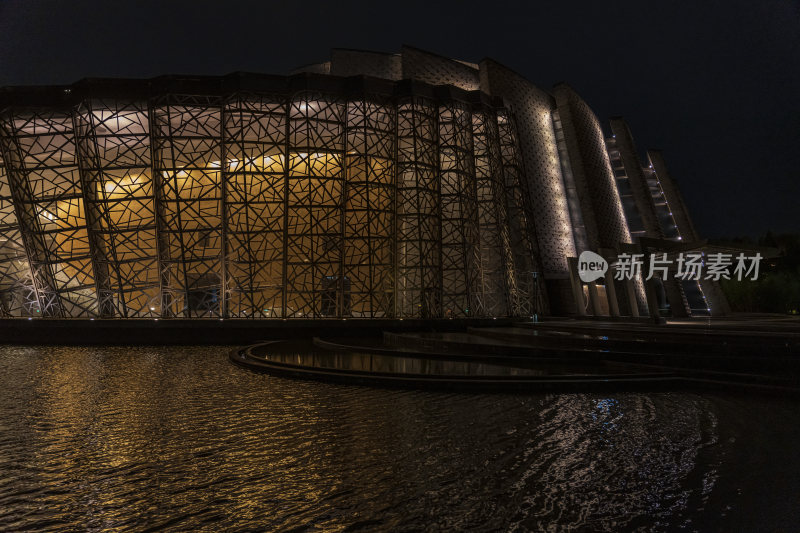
x=438, y=70
x=532, y=109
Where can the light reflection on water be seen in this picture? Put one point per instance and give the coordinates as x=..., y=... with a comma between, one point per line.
x=117, y=438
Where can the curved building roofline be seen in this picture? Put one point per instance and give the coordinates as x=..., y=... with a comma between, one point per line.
x=440, y=56
x=144, y=88
x=509, y=69
x=364, y=51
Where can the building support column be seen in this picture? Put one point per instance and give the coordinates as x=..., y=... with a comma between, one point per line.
x=575, y=285
x=611, y=294
x=594, y=299
x=611, y=289
x=633, y=304
x=652, y=301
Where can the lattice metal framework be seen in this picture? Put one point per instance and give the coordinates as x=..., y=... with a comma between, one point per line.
x=497, y=263
x=113, y=149
x=368, y=229
x=255, y=129
x=459, y=204
x=419, y=244
x=42, y=167
x=524, y=260
x=247, y=204
x=187, y=164
x=17, y=294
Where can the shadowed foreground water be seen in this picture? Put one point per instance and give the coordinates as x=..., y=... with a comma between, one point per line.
x=149, y=438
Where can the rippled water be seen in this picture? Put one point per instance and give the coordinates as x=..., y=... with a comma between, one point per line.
x=149, y=438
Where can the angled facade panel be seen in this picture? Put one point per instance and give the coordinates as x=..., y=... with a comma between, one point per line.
x=679, y=224
x=601, y=206
x=627, y=166
x=40, y=156
x=672, y=196
x=533, y=109
x=603, y=214
x=17, y=293
x=113, y=140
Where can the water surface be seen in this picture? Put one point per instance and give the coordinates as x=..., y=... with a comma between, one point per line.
x=178, y=437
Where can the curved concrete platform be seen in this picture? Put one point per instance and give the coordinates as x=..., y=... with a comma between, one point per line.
x=755, y=361
x=460, y=347
x=258, y=358
x=656, y=340
x=406, y=367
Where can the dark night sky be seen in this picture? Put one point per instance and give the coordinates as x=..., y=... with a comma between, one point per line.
x=716, y=85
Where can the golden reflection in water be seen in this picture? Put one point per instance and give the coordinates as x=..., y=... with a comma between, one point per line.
x=121, y=438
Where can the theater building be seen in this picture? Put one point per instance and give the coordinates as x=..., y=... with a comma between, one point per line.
x=368, y=186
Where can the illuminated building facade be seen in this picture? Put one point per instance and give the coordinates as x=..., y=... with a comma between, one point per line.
x=372, y=185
